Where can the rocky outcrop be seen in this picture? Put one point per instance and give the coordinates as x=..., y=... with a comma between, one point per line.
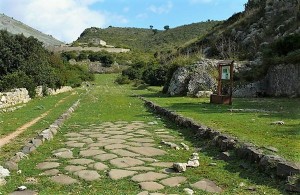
x=193, y=80
x=283, y=80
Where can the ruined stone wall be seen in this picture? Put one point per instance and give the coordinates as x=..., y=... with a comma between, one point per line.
x=15, y=96
x=20, y=95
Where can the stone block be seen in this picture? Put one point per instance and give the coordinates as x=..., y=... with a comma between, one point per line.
x=285, y=169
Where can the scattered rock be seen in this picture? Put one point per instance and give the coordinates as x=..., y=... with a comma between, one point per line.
x=188, y=191
x=212, y=164
x=151, y=186
x=170, y=144
x=193, y=161
x=186, y=147
x=278, y=123
x=22, y=188
x=207, y=185
x=180, y=167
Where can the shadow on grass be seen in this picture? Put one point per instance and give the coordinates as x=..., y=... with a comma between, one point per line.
x=235, y=165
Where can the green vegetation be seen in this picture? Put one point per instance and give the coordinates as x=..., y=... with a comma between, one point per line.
x=24, y=62
x=10, y=121
x=97, y=107
x=251, y=124
x=146, y=40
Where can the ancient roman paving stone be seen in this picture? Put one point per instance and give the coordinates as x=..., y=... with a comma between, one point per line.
x=81, y=161
x=100, y=144
x=147, y=151
x=162, y=164
x=74, y=168
x=87, y=175
x=87, y=153
x=75, y=144
x=116, y=174
x=115, y=132
x=148, y=159
x=143, y=140
x=98, y=166
x=126, y=162
x=170, y=171
x=139, y=144
x=207, y=185
x=24, y=192
x=47, y=165
x=64, y=154
x=151, y=186
x=73, y=135
x=88, y=140
x=51, y=172
x=143, y=132
x=173, y=181
x=167, y=137
x=105, y=157
x=114, y=141
x=120, y=136
x=115, y=146
x=124, y=153
x=74, y=138
x=149, y=176
x=141, y=168
x=63, y=180
x=98, y=135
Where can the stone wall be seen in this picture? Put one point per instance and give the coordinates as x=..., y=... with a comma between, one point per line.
x=15, y=96
x=20, y=95
x=39, y=90
x=270, y=164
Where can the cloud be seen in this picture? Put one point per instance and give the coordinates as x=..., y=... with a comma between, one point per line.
x=64, y=19
x=163, y=9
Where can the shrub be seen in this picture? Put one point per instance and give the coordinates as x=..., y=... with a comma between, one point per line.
x=122, y=80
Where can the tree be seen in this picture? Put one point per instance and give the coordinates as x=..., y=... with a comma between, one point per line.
x=151, y=27
x=167, y=27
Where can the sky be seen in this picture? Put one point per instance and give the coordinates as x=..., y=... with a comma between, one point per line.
x=67, y=19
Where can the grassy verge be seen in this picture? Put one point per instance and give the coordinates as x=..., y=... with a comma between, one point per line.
x=32, y=110
x=252, y=124
x=110, y=102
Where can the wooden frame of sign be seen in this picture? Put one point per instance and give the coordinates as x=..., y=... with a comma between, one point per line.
x=225, y=69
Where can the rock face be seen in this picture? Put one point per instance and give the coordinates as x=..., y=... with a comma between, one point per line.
x=284, y=80
x=281, y=80
x=191, y=80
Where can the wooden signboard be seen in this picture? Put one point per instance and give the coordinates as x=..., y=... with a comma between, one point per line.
x=225, y=69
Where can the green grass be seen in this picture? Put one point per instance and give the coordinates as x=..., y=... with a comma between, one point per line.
x=11, y=121
x=253, y=126
x=110, y=102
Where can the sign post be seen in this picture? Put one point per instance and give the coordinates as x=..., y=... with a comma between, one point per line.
x=225, y=69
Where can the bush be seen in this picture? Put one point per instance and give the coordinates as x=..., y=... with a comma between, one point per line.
x=122, y=80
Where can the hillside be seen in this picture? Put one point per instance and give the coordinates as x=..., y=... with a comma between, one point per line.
x=246, y=34
x=15, y=27
x=147, y=40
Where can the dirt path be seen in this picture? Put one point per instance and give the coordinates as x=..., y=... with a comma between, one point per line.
x=5, y=140
x=8, y=138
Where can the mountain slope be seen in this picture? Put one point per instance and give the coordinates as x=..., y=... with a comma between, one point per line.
x=147, y=40
x=246, y=34
x=16, y=27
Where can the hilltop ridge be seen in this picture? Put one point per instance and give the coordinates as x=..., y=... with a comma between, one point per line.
x=16, y=27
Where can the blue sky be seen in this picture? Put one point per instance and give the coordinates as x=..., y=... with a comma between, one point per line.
x=66, y=19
